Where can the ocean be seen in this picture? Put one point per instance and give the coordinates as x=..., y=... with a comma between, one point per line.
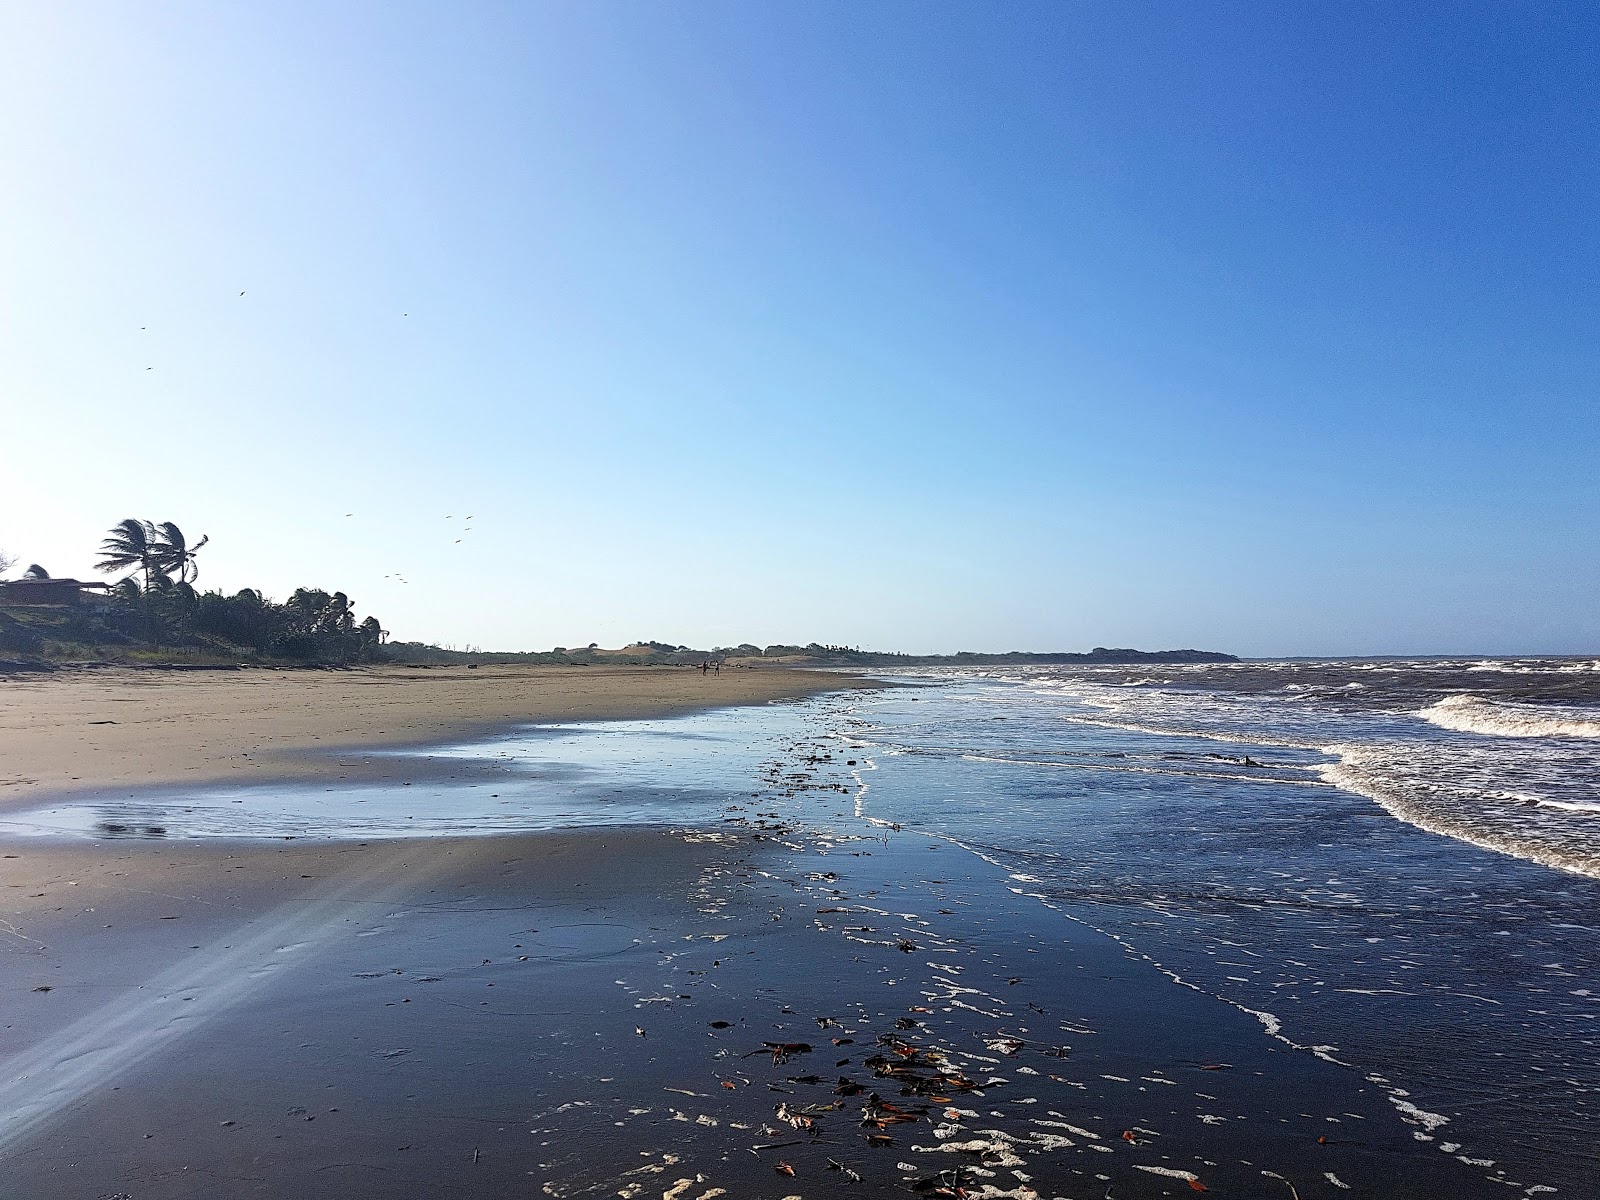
x=1390, y=864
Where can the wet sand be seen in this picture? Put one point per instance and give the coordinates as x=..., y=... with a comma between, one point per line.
x=787, y=1003
x=79, y=730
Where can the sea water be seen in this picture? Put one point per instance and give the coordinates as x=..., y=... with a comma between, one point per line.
x=1391, y=865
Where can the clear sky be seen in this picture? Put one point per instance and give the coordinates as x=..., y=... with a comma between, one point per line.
x=925, y=326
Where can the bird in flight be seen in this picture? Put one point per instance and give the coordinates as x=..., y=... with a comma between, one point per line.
x=241, y=293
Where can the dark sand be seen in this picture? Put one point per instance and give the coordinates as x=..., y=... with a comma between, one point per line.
x=542, y=1015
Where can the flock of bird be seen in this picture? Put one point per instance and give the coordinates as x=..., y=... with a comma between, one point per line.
x=396, y=576
x=465, y=529
x=144, y=328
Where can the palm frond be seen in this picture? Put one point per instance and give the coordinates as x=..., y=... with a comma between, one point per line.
x=126, y=545
x=170, y=537
x=172, y=552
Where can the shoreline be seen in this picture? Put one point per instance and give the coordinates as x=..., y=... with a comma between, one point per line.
x=65, y=734
x=778, y=1001
x=769, y=1008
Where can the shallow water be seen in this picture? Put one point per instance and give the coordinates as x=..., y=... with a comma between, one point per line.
x=536, y=778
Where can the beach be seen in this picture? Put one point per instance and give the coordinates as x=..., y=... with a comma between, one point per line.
x=790, y=958
x=76, y=730
x=125, y=958
x=513, y=1017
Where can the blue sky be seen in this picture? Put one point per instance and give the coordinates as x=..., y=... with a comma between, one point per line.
x=1260, y=327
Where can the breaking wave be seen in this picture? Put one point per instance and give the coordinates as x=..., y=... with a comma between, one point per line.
x=1507, y=760
x=1507, y=823
x=1499, y=718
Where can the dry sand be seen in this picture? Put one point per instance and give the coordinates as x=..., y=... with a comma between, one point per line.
x=78, y=730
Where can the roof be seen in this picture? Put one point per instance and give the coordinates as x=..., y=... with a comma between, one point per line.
x=31, y=582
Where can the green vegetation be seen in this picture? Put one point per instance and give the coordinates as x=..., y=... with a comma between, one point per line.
x=157, y=614
x=158, y=551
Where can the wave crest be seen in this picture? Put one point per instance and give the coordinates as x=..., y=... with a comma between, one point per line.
x=1471, y=714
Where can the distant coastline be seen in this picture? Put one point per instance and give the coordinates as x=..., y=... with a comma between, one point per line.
x=814, y=654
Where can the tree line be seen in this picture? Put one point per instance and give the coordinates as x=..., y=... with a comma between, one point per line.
x=156, y=610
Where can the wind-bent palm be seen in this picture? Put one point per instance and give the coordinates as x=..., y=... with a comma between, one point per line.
x=173, y=552
x=131, y=543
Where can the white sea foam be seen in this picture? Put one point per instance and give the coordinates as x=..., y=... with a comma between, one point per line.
x=1502, y=718
x=1482, y=818
x=1516, y=783
x=1586, y=807
x=1167, y=1171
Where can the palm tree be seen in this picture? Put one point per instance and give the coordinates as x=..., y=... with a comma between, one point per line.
x=337, y=616
x=173, y=552
x=131, y=543
x=306, y=604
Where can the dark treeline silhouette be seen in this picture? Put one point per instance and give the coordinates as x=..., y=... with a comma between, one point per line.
x=156, y=612
x=815, y=654
x=854, y=656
